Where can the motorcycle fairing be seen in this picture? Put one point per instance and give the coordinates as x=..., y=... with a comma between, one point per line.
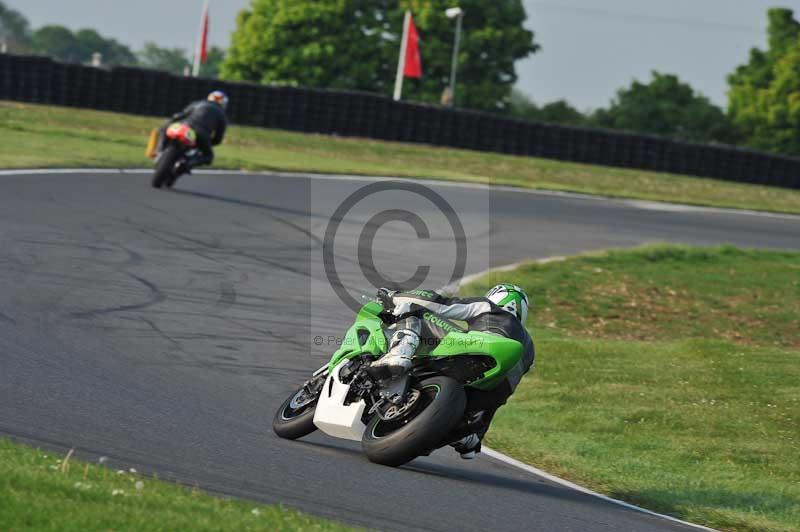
x=366, y=336
x=332, y=416
x=183, y=133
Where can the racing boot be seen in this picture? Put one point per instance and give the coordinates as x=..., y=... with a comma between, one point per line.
x=183, y=166
x=397, y=361
x=468, y=447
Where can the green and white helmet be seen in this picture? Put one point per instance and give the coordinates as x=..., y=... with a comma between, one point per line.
x=510, y=298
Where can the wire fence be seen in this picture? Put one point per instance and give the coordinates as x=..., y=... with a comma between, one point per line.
x=356, y=114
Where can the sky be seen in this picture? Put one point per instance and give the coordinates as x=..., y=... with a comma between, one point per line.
x=590, y=48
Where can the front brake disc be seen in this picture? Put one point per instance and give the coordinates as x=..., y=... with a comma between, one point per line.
x=396, y=411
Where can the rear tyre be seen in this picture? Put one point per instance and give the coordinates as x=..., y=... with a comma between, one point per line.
x=295, y=418
x=441, y=405
x=166, y=162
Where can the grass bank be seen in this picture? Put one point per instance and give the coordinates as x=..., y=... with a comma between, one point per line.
x=668, y=377
x=44, y=136
x=44, y=491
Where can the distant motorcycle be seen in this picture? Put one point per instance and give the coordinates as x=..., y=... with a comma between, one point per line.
x=170, y=153
x=396, y=418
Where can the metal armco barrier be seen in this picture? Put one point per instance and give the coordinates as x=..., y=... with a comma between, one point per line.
x=149, y=92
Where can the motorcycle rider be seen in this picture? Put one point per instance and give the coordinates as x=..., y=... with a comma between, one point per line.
x=207, y=118
x=422, y=318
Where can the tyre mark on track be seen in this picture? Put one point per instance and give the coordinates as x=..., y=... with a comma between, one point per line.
x=227, y=296
x=216, y=247
x=161, y=333
x=225, y=252
x=156, y=296
x=269, y=334
x=259, y=206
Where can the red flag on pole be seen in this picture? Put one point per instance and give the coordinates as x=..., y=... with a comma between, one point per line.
x=413, y=66
x=204, y=37
x=201, y=54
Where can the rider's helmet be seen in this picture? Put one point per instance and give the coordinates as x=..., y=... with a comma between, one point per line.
x=219, y=97
x=510, y=298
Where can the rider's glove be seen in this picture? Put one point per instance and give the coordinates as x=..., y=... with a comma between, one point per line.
x=386, y=298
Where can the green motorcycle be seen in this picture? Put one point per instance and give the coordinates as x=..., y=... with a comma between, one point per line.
x=397, y=419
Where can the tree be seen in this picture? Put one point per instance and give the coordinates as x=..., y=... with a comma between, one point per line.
x=172, y=60
x=668, y=107
x=335, y=44
x=58, y=42
x=354, y=44
x=15, y=31
x=61, y=43
x=211, y=68
x=558, y=112
x=114, y=52
x=176, y=60
x=764, y=96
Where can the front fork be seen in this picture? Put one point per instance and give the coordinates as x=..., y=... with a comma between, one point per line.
x=314, y=385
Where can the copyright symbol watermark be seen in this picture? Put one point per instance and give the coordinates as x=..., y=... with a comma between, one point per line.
x=396, y=202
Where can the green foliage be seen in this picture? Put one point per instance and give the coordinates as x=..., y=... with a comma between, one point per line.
x=15, y=31
x=764, y=98
x=172, y=60
x=176, y=60
x=76, y=138
x=558, y=112
x=211, y=68
x=668, y=107
x=332, y=44
x=42, y=490
x=354, y=44
x=114, y=53
x=61, y=43
x=666, y=376
x=494, y=39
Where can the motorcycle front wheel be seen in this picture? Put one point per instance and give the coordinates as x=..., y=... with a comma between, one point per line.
x=295, y=417
x=439, y=404
x=164, y=166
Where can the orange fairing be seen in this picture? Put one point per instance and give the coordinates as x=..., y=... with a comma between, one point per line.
x=182, y=133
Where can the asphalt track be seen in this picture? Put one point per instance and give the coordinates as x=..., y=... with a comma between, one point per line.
x=162, y=329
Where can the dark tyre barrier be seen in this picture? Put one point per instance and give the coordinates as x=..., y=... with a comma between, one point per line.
x=149, y=92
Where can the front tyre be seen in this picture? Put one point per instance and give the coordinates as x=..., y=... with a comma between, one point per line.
x=439, y=407
x=295, y=418
x=164, y=166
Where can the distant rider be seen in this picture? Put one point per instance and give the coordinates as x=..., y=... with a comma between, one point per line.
x=503, y=312
x=208, y=119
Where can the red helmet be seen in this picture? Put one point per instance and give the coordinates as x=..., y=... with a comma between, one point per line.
x=219, y=97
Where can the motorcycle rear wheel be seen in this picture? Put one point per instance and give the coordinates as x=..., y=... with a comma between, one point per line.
x=166, y=162
x=396, y=442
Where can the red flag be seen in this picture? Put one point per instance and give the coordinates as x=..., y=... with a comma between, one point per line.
x=413, y=68
x=203, y=46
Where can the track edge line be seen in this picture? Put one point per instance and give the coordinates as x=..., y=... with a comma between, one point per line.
x=641, y=204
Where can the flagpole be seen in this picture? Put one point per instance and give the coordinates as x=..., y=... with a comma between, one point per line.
x=198, y=53
x=401, y=62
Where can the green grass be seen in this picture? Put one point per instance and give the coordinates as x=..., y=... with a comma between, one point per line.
x=42, y=136
x=44, y=491
x=668, y=377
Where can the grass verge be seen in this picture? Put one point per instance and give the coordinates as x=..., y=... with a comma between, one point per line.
x=668, y=377
x=44, y=491
x=44, y=136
